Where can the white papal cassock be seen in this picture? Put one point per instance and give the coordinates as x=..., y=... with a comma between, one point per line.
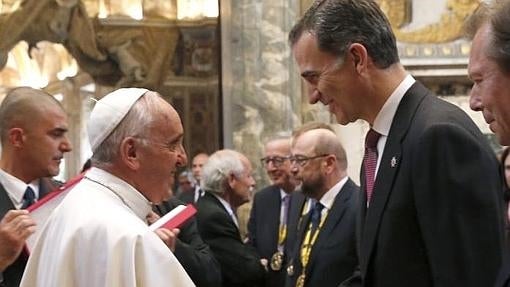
x=98, y=236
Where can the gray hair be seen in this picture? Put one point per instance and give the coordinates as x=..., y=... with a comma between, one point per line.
x=218, y=168
x=22, y=106
x=340, y=23
x=135, y=124
x=499, y=49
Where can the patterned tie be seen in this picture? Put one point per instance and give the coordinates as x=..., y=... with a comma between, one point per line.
x=370, y=161
x=28, y=197
x=316, y=216
x=285, y=209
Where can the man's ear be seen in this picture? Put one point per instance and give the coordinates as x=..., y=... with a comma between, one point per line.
x=130, y=153
x=231, y=180
x=359, y=56
x=16, y=136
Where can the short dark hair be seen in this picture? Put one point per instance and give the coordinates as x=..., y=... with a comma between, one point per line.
x=339, y=23
x=22, y=106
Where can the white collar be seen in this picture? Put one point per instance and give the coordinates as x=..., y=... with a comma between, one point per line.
x=228, y=207
x=15, y=187
x=127, y=193
x=283, y=194
x=384, y=118
x=328, y=198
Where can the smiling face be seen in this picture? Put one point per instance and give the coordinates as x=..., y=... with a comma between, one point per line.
x=491, y=87
x=330, y=80
x=278, y=172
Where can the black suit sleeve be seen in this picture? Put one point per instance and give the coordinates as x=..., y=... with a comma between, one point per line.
x=196, y=257
x=456, y=200
x=192, y=252
x=240, y=262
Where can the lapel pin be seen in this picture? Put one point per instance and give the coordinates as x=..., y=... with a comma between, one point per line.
x=393, y=162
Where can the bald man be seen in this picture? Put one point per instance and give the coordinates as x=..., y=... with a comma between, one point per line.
x=325, y=252
x=33, y=127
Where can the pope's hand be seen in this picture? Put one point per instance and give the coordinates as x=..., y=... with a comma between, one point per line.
x=169, y=237
x=15, y=227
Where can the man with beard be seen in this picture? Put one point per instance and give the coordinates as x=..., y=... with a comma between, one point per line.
x=269, y=217
x=326, y=253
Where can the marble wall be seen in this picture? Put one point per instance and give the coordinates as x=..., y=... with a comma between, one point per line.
x=261, y=86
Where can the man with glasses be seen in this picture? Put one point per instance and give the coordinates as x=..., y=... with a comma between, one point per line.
x=430, y=206
x=268, y=224
x=325, y=250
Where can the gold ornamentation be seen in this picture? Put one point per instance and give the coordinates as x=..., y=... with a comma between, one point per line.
x=300, y=280
x=447, y=29
x=277, y=261
x=290, y=269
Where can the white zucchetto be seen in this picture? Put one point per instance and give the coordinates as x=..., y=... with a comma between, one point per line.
x=109, y=112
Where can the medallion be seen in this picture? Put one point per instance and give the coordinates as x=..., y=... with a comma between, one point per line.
x=300, y=280
x=277, y=261
x=290, y=270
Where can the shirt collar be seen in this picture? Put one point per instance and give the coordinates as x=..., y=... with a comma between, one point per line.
x=15, y=187
x=329, y=197
x=127, y=193
x=228, y=207
x=382, y=122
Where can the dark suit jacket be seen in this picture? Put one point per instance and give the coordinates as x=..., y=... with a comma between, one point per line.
x=263, y=229
x=333, y=257
x=12, y=275
x=187, y=197
x=240, y=263
x=436, y=216
x=504, y=274
x=191, y=251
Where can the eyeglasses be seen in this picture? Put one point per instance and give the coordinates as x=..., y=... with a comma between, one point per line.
x=276, y=160
x=301, y=160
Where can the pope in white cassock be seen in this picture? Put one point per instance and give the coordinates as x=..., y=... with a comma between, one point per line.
x=98, y=236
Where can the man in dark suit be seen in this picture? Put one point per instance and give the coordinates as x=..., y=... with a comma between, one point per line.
x=325, y=252
x=268, y=226
x=227, y=182
x=194, y=194
x=195, y=256
x=33, y=129
x=431, y=200
x=489, y=63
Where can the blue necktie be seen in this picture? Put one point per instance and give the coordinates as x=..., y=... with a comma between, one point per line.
x=315, y=218
x=28, y=197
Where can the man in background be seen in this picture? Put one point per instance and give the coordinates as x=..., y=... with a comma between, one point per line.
x=268, y=224
x=33, y=127
x=227, y=181
x=325, y=253
x=196, y=168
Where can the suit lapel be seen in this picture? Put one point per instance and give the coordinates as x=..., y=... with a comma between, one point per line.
x=5, y=202
x=334, y=216
x=273, y=215
x=217, y=202
x=371, y=218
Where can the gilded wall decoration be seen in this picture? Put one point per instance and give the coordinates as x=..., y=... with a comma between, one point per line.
x=447, y=29
x=114, y=55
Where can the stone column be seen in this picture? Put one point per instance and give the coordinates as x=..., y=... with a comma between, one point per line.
x=261, y=86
